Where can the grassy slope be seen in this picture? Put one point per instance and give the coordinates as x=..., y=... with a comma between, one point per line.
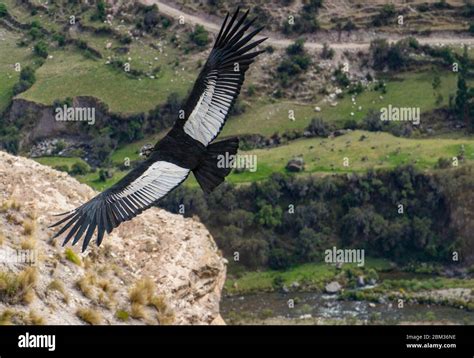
x=10, y=54
x=70, y=74
x=410, y=90
x=379, y=148
x=19, y=12
x=312, y=274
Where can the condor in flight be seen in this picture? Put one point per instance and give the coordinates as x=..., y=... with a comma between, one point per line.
x=187, y=147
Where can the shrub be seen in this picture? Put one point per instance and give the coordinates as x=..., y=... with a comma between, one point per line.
x=318, y=127
x=19, y=287
x=296, y=48
x=349, y=26
x=99, y=14
x=341, y=77
x=86, y=284
x=34, y=319
x=278, y=282
x=393, y=56
x=304, y=23
x=58, y=286
x=79, y=168
x=27, y=74
x=443, y=163
x=60, y=145
x=328, y=52
x=200, y=36
x=35, y=33
x=41, y=49
x=27, y=79
x=125, y=39
x=72, y=256
x=89, y=315
x=3, y=10
x=82, y=44
x=151, y=18
x=122, y=315
x=384, y=16
x=137, y=311
x=28, y=244
x=297, y=62
x=142, y=292
x=356, y=88
x=60, y=39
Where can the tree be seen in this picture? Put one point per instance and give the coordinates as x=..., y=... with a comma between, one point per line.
x=279, y=259
x=421, y=228
x=307, y=245
x=269, y=216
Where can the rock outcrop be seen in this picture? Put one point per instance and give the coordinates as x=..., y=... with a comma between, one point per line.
x=157, y=268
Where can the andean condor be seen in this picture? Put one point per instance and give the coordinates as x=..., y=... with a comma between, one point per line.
x=187, y=147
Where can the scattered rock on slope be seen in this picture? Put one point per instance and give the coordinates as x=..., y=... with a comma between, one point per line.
x=157, y=268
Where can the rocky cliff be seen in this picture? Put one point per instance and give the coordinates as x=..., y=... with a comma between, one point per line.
x=159, y=268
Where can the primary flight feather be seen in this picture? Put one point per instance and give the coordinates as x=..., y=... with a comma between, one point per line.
x=187, y=147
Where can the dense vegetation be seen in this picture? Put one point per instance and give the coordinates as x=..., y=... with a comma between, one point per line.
x=400, y=214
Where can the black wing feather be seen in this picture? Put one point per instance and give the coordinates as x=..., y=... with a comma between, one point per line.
x=218, y=84
x=122, y=202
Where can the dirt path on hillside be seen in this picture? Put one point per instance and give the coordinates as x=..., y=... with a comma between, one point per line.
x=212, y=24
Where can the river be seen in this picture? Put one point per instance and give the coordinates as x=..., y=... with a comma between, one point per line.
x=310, y=306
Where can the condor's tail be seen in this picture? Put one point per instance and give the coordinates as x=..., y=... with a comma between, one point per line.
x=214, y=168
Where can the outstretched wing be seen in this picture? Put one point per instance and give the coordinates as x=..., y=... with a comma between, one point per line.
x=219, y=82
x=136, y=192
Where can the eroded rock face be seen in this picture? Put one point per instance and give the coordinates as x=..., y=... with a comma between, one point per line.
x=177, y=254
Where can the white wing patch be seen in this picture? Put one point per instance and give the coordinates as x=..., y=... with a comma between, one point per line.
x=153, y=184
x=210, y=112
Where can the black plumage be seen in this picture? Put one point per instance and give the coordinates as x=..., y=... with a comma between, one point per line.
x=187, y=147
